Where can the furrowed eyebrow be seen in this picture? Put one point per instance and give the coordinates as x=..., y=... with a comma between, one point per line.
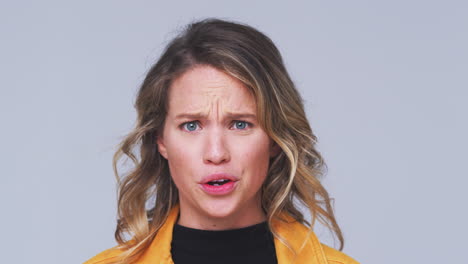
x=241, y=116
x=190, y=116
x=203, y=116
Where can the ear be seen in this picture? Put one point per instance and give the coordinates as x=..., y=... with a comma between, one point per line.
x=274, y=149
x=161, y=146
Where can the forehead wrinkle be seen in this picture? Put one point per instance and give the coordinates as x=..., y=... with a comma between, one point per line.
x=217, y=109
x=226, y=106
x=212, y=96
x=214, y=104
x=216, y=113
x=216, y=94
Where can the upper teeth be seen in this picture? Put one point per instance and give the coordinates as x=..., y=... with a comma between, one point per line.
x=219, y=180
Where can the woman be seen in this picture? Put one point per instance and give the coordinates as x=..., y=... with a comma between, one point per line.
x=224, y=150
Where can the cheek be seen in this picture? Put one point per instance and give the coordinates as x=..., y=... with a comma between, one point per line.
x=181, y=159
x=180, y=149
x=257, y=161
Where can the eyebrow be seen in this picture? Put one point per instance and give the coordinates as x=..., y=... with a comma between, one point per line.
x=200, y=115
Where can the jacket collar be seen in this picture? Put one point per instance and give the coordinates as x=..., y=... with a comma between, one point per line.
x=292, y=231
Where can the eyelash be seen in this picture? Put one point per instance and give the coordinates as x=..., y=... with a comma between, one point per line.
x=249, y=125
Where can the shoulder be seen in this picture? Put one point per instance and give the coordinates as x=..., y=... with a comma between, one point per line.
x=337, y=257
x=106, y=256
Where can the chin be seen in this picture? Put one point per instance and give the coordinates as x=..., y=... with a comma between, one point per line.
x=219, y=208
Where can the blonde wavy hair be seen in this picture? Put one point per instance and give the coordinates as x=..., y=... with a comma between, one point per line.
x=147, y=193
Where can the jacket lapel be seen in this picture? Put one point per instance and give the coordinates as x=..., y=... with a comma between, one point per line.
x=305, y=243
x=160, y=249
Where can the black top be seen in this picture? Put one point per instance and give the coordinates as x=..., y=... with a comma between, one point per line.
x=252, y=244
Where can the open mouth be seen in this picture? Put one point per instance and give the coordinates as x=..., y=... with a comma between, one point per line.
x=218, y=182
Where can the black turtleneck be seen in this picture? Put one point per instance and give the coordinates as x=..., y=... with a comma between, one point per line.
x=252, y=244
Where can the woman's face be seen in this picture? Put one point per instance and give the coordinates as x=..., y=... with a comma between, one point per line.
x=217, y=152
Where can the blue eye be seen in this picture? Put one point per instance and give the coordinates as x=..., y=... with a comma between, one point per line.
x=190, y=126
x=240, y=124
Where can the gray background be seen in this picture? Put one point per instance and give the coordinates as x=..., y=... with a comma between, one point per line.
x=385, y=85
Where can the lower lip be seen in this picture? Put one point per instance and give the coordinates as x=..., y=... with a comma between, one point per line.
x=219, y=190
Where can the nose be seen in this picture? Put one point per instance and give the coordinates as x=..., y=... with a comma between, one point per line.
x=215, y=150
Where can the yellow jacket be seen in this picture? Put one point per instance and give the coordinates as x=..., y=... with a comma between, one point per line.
x=159, y=252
